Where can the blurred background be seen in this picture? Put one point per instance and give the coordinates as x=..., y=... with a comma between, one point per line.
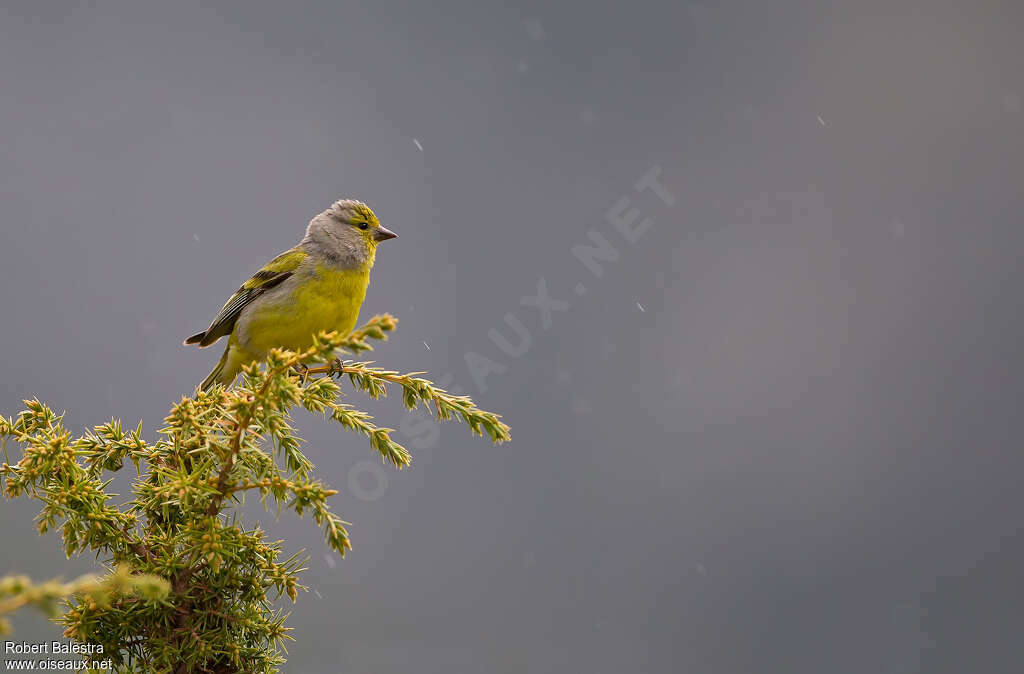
x=779, y=432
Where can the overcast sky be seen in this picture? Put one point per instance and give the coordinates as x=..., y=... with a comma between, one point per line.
x=777, y=433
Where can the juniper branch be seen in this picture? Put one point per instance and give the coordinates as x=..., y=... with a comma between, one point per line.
x=17, y=592
x=181, y=523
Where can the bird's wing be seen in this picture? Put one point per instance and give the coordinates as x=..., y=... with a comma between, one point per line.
x=273, y=273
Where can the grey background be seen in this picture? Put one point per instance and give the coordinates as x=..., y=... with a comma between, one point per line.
x=778, y=434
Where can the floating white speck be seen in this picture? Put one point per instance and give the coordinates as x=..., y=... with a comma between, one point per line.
x=426, y=345
x=417, y=142
x=641, y=306
x=330, y=561
x=821, y=121
x=196, y=237
x=580, y=406
x=534, y=28
x=318, y=595
x=607, y=347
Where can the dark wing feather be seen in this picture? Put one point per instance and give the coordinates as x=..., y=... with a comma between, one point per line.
x=225, y=321
x=273, y=274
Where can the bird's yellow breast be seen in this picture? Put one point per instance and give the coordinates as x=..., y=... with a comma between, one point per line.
x=324, y=298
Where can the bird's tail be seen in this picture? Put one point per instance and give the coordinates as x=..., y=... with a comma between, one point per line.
x=218, y=370
x=196, y=338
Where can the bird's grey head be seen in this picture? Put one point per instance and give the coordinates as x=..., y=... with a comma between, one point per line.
x=348, y=233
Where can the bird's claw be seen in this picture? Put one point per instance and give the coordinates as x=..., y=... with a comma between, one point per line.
x=303, y=371
x=337, y=368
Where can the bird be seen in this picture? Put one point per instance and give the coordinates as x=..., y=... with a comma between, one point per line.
x=318, y=285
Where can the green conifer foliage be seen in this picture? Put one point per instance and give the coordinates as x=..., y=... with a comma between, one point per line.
x=191, y=587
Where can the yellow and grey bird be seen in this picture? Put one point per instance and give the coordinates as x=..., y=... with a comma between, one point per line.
x=318, y=285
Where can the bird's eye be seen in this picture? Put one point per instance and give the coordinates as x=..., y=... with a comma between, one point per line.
x=364, y=225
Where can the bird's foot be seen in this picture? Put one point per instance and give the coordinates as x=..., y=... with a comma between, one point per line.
x=337, y=368
x=303, y=371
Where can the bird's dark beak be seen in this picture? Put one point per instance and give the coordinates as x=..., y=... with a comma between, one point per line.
x=383, y=234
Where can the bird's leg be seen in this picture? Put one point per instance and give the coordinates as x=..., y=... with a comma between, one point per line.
x=337, y=368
